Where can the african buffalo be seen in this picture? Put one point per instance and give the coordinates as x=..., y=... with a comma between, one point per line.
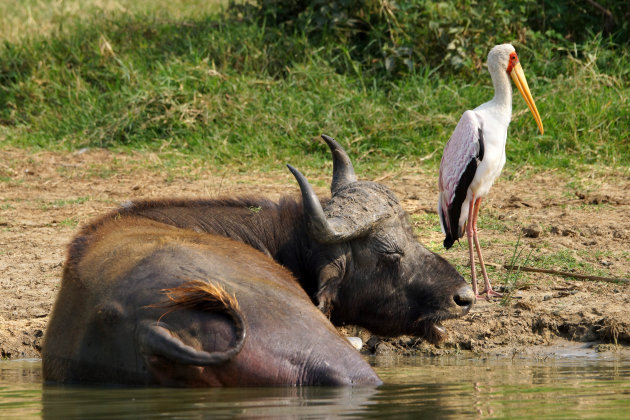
x=221, y=292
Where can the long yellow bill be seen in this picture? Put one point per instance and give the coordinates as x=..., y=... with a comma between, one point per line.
x=518, y=76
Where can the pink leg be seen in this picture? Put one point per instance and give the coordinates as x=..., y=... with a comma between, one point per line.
x=471, y=254
x=488, y=291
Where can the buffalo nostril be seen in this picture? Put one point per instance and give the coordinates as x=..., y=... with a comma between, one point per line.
x=464, y=296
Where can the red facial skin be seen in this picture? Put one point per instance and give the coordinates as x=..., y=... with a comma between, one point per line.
x=513, y=61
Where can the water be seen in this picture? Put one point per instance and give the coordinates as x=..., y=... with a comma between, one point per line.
x=573, y=384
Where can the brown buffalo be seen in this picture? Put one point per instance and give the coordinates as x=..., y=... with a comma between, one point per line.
x=221, y=292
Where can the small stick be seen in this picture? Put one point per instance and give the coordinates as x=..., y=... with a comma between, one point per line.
x=559, y=273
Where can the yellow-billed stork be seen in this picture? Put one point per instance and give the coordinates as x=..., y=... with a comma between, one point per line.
x=475, y=154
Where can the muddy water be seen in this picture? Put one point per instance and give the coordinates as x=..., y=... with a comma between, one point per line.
x=566, y=383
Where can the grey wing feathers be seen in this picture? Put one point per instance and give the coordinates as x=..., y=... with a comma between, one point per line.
x=457, y=169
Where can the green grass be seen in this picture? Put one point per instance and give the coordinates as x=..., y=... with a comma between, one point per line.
x=63, y=203
x=569, y=261
x=186, y=77
x=426, y=221
x=513, y=278
x=70, y=223
x=44, y=17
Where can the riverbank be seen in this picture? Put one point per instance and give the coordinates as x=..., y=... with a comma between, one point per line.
x=539, y=219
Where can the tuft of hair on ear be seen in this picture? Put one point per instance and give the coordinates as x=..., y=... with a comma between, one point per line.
x=198, y=295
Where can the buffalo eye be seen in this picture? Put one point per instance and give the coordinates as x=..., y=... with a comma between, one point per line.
x=387, y=249
x=392, y=257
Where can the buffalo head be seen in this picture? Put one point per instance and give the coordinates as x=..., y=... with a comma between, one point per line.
x=373, y=272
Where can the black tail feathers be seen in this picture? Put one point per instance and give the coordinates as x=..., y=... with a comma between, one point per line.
x=448, y=241
x=450, y=238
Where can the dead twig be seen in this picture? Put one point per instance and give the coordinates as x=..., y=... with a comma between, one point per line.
x=560, y=273
x=385, y=176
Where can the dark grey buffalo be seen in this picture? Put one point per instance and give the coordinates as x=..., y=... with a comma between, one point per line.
x=221, y=292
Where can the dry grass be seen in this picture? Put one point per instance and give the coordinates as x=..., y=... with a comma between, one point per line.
x=44, y=17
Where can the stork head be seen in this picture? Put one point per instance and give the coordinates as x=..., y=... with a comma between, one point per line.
x=499, y=57
x=503, y=58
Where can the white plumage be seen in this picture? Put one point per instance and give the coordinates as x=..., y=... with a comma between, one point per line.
x=475, y=154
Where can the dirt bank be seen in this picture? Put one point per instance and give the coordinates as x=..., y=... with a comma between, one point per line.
x=570, y=224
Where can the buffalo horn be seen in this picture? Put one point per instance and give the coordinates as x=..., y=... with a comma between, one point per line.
x=318, y=226
x=343, y=172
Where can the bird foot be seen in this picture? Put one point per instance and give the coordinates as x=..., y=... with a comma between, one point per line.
x=489, y=294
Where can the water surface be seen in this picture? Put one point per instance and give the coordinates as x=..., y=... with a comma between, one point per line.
x=579, y=384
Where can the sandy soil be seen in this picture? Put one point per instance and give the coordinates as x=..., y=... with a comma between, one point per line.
x=583, y=223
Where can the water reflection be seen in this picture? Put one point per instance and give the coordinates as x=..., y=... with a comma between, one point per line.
x=445, y=387
x=532, y=387
x=277, y=402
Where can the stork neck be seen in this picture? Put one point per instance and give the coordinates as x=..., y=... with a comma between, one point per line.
x=502, y=93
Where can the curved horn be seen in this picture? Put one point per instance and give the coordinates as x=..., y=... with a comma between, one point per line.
x=318, y=226
x=343, y=172
x=156, y=339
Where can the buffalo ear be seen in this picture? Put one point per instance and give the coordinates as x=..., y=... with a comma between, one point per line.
x=193, y=304
x=157, y=339
x=329, y=280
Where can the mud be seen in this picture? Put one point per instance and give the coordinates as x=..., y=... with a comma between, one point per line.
x=541, y=219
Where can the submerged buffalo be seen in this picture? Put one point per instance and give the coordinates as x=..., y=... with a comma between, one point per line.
x=221, y=292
